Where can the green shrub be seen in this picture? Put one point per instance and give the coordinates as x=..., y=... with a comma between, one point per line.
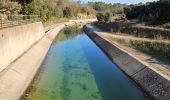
x=100, y=17
x=155, y=12
x=103, y=17
x=67, y=12
x=11, y=7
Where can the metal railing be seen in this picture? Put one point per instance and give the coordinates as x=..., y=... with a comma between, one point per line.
x=15, y=20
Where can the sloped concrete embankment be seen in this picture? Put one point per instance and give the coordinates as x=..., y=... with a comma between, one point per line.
x=16, y=78
x=15, y=41
x=156, y=86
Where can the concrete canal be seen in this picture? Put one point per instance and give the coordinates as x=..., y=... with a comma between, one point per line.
x=76, y=69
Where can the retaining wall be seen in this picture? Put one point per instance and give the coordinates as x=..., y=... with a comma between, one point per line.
x=16, y=40
x=156, y=86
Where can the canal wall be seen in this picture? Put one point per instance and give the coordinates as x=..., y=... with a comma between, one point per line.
x=156, y=86
x=16, y=40
x=18, y=75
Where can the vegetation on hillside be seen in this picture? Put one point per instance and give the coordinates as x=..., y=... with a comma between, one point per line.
x=116, y=8
x=152, y=13
x=47, y=10
x=103, y=17
x=155, y=12
x=10, y=7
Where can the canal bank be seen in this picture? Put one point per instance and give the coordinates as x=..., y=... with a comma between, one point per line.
x=151, y=82
x=16, y=77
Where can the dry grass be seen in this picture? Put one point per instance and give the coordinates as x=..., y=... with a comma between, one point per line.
x=55, y=21
x=157, y=48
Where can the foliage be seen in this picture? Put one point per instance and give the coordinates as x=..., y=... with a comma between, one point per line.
x=67, y=12
x=23, y=1
x=100, y=17
x=103, y=17
x=10, y=7
x=47, y=10
x=116, y=8
x=107, y=17
x=156, y=12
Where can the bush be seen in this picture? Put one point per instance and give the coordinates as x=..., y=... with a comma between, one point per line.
x=103, y=17
x=42, y=8
x=54, y=9
x=11, y=7
x=100, y=17
x=154, y=12
x=67, y=12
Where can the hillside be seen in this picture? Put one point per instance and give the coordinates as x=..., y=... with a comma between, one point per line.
x=47, y=10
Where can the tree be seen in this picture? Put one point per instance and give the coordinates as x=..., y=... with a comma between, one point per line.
x=155, y=12
x=103, y=17
x=100, y=17
x=23, y=1
x=116, y=8
x=107, y=17
x=10, y=7
x=67, y=12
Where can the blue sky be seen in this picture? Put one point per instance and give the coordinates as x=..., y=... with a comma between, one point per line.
x=121, y=1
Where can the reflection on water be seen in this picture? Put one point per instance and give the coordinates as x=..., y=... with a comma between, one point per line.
x=68, y=33
x=76, y=69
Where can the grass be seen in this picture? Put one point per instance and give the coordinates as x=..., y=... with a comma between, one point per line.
x=159, y=50
x=137, y=30
x=154, y=48
x=55, y=21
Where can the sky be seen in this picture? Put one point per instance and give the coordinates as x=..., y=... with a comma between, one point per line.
x=121, y=1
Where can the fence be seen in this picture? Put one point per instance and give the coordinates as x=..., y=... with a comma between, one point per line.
x=14, y=20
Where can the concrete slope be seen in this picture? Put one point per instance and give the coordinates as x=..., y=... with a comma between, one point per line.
x=15, y=79
x=16, y=40
x=152, y=82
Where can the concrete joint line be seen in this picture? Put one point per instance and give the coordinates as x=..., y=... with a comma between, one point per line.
x=138, y=71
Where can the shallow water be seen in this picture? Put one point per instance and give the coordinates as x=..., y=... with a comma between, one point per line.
x=76, y=69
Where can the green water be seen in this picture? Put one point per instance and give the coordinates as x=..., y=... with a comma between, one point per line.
x=76, y=69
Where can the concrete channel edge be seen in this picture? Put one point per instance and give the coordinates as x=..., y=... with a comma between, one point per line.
x=16, y=78
x=153, y=84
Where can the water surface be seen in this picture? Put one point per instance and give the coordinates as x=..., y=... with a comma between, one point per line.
x=76, y=69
